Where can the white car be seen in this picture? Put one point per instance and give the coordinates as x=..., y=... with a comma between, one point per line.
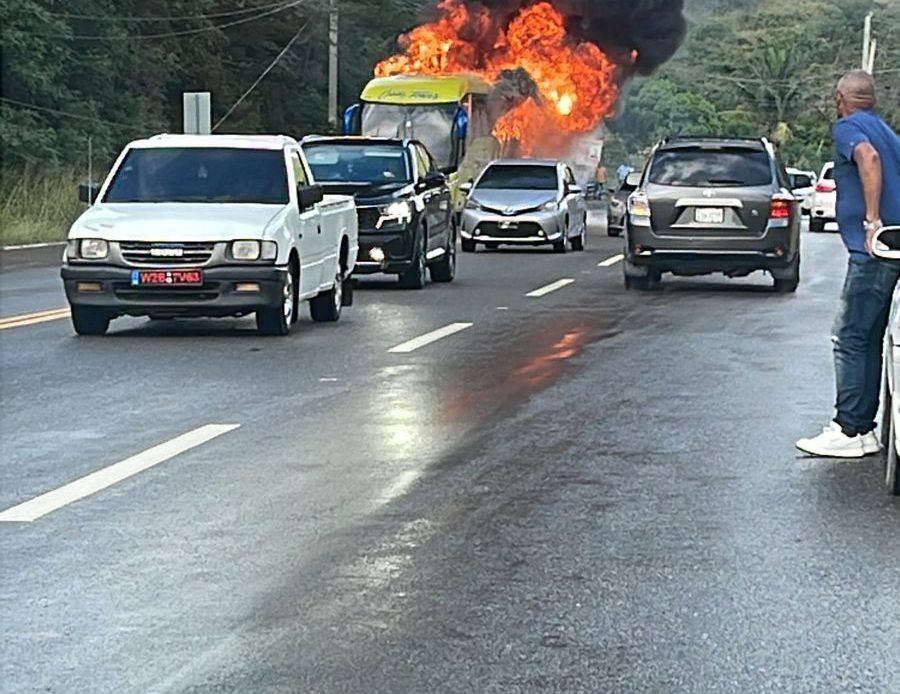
x=524, y=202
x=803, y=185
x=887, y=247
x=822, y=215
x=210, y=225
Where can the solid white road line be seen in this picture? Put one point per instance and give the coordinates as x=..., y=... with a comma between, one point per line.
x=609, y=262
x=428, y=338
x=543, y=291
x=24, y=319
x=108, y=476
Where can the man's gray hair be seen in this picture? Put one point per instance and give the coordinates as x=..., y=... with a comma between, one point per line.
x=858, y=86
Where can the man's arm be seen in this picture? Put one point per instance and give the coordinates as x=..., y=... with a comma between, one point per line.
x=868, y=161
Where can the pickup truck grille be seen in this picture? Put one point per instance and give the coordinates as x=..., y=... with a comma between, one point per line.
x=368, y=217
x=143, y=253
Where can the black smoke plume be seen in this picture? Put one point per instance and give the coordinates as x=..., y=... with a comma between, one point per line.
x=654, y=28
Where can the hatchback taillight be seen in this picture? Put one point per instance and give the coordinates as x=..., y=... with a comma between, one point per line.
x=781, y=208
x=825, y=186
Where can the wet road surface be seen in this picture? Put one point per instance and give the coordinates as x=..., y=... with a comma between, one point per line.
x=581, y=490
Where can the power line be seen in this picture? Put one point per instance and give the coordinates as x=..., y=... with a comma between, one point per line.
x=161, y=18
x=183, y=32
x=93, y=119
x=262, y=75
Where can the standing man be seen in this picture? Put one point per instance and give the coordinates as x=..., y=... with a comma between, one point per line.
x=867, y=174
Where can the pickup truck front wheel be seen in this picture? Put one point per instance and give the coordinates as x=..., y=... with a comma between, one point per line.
x=444, y=270
x=90, y=321
x=417, y=275
x=277, y=320
x=326, y=307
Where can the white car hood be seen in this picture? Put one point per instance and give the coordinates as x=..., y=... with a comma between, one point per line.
x=175, y=221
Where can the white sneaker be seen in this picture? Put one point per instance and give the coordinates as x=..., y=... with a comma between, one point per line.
x=833, y=443
x=871, y=443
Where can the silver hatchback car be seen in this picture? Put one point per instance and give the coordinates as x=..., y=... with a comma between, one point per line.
x=524, y=202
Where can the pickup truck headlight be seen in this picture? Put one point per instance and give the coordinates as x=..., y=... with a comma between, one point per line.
x=550, y=206
x=253, y=250
x=399, y=212
x=93, y=249
x=473, y=205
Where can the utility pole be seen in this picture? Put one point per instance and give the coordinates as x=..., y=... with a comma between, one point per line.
x=333, y=64
x=869, y=46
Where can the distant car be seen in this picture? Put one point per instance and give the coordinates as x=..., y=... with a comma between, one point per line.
x=406, y=225
x=887, y=247
x=528, y=202
x=706, y=205
x=823, y=201
x=617, y=208
x=803, y=185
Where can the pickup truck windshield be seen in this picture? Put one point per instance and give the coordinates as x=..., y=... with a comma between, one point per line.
x=354, y=162
x=201, y=174
x=526, y=177
x=708, y=168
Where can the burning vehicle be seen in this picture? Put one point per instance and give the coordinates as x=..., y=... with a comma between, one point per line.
x=537, y=77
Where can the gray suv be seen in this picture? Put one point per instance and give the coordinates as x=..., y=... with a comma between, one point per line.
x=705, y=205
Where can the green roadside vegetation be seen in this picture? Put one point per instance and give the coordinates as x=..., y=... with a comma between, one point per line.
x=747, y=67
x=37, y=206
x=761, y=68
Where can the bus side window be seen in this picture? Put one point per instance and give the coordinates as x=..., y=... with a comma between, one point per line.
x=479, y=120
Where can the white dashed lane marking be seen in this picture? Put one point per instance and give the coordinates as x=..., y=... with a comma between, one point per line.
x=101, y=479
x=609, y=262
x=554, y=286
x=428, y=338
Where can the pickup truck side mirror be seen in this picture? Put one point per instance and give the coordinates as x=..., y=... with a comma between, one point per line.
x=575, y=190
x=435, y=178
x=307, y=196
x=88, y=192
x=466, y=187
x=633, y=180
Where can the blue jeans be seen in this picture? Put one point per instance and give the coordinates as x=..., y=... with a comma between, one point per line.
x=859, y=340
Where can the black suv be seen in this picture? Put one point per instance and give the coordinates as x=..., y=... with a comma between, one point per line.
x=706, y=204
x=403, y=202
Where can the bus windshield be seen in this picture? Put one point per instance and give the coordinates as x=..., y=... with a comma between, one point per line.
x=430, y=124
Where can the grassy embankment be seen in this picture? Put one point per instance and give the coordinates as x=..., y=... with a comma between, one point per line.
x=38, y=206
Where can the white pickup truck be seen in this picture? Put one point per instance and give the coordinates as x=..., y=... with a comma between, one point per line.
x=210, y=225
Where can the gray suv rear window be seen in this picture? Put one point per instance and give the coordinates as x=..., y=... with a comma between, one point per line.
x=711, y=167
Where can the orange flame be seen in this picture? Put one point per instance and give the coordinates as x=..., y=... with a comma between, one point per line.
x=577, y=80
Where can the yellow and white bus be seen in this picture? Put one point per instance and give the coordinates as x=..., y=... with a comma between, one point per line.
x=446, y=114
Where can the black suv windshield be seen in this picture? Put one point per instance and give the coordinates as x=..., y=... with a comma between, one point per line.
x=357, y=162
x=711, y=167
x=201, y=174
x=519, y=177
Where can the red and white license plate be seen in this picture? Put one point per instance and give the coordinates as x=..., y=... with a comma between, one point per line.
x=167, y=278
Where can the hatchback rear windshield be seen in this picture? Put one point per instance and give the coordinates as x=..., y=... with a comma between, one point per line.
x=711, y=167
x=201, y=174
x=524, y=177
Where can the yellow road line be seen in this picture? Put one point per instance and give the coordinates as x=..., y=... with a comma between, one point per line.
x=33, y=318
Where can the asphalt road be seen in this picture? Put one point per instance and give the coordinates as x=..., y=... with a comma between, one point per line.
x=584, y=491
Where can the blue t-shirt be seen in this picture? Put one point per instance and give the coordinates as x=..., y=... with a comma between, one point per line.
x=864, y=126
